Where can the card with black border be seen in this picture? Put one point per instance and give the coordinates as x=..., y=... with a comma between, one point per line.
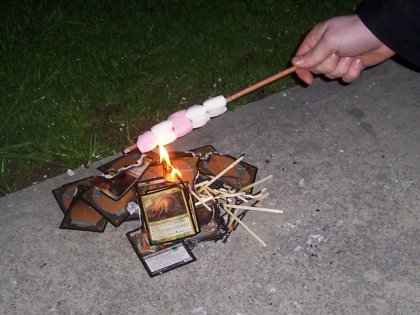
x=123, y=161
x=66, y=193
x=114, y=210
x=188, y=168
x=153, y=172
x=204, y=150
x=117, y=186
x=159, y=259
x=81, y=216
x=167, y=214
x=158, y=183
x=241, y=175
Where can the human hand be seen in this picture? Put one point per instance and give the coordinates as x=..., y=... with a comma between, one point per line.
x=339, y=48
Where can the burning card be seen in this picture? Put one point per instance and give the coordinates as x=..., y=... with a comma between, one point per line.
x=187, y=166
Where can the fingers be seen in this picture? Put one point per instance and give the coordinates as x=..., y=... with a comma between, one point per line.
x=346, y=68
x=328, y=65
x=341, y=68
x=338, y=48
x=354, y=70
x=306, y=53
x=311, y=54
x=305, y=75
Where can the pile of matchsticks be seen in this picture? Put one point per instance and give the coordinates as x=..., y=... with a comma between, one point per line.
x=231, y=200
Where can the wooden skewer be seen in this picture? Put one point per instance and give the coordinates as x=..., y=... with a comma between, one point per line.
x=245, y=227
x=260, y=84
x=241, y=93
x=253, y=208
x=221, y=173
x=130, y=148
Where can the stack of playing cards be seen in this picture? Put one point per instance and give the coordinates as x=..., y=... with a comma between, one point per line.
x=134, y=187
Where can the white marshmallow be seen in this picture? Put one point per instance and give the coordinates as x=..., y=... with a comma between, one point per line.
x=215, y=102
x=198, y=115
x=162, y=128
x=217, y=111
x=197, y=123
x=167, y=137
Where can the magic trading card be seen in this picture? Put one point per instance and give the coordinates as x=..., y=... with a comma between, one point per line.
x=158, y=259
x=153, y=172
x=81, y=216
x=65, y=194
x=123, y=161
x=188, y=168
x=241, y=175
x=146, y=186
x=204, y=151
x=117, y=185
x=114, y=210
x=168, y=215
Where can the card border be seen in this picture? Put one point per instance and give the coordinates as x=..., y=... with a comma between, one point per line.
x=166, y=269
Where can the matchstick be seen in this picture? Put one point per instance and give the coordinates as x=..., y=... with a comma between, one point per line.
x=253, y=208
x=245, y=227
x=200, y=200
x=221, y=173
x=256, y=183
x=229, y=195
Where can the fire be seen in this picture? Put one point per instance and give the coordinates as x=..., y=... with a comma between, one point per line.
x=171, y=172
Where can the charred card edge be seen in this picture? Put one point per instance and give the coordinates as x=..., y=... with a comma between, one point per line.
x=57, y=192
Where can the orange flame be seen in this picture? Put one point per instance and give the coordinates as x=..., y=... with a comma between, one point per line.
x=164, y=157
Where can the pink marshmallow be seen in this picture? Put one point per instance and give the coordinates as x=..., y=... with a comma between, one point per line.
x=147, y=141
x=181, y=124
x=178, y=114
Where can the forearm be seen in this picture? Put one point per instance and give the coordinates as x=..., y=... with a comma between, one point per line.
x=396, y=23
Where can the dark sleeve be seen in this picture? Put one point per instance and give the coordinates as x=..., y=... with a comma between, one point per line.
x=396, y=23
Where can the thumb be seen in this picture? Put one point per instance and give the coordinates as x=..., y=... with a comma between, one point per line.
x=315, y=56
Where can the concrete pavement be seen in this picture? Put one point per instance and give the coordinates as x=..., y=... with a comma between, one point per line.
x=346, y=166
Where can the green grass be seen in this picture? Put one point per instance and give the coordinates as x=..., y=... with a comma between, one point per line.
x=80, y=78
